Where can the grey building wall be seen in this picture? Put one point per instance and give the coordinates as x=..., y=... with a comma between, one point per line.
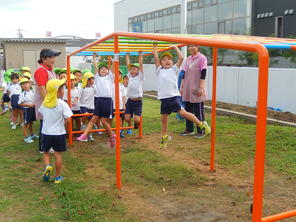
x=27, y=54
x=264, y=24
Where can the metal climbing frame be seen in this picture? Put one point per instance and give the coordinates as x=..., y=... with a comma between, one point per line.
x=120, y=43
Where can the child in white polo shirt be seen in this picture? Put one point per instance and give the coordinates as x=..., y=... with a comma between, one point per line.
x=169, y=94
x=53, y=134
x=87, y=97
x=104, y=80
x=26, y=102
x=134, y=91
x=14, y=90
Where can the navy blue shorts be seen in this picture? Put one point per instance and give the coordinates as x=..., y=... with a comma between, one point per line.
x=171, y=105
x=29, y=115
x=56, y=142
x=103, y=107
x=134, y=107
x=14, y=101
x=86, y=110
x=5, y=98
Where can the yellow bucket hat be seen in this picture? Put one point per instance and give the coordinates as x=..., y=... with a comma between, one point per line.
x=85, y=78
x=25, y=68
x=23, y=80
x=27, y=74
x=72, y=76
x=52, y=87
x=166, y=54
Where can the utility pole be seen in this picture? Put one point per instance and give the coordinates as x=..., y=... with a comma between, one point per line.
x=184, y=23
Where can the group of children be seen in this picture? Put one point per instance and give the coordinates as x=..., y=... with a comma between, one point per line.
x=95, y=94
x=18, y=99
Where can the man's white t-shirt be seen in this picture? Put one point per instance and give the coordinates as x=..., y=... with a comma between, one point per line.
x=26, y=97
x=54, y=118
x=74, y=95
x=135, y=85
x=87, y=97
x=104, y=85
x=167, y=85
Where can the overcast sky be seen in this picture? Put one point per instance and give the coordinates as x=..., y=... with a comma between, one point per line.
x=61, y=17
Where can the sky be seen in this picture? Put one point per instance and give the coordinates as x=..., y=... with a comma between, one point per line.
x=61, y=17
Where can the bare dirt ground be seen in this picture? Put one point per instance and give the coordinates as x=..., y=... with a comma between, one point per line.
x=283, y=116
x=222, y=197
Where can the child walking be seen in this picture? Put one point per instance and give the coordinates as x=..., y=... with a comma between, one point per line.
x=168, y=92
x=14, y=90
x=134, y=91
x=54, y=111
x=103, y=101
x=26, y=102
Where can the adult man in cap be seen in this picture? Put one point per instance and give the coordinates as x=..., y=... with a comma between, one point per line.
x=41, y=76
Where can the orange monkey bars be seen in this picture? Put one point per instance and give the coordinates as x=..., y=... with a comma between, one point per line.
x=120, y=43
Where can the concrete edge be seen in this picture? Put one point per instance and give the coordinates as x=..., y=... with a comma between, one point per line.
x=250, y=117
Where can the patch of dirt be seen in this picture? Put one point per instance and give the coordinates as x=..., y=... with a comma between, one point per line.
x=283, y=116
x=224, y=197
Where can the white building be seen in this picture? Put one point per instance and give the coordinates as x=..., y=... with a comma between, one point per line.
x=203, y=16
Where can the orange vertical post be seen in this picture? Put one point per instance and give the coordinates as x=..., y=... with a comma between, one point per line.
x=70, y=127
x=117, y=116
x=141, y=128
x=109, y=62
x=214, y=92
x=260, y=133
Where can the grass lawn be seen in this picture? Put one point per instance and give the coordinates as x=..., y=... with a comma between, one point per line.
x=172, y=184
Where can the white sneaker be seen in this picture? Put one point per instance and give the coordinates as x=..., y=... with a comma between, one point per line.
x=28, y=140
x=83, y=127
x=22, y=124
x=90, y=137
x=51, y=150
x=11, y=123
x=13, y=127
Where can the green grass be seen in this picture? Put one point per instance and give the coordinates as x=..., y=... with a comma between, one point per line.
x=88, y=192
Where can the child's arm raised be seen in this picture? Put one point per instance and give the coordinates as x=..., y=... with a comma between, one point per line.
x=95, y=63
x=180, y=56
x=127, y=61
x=141, y=61
x=155, y=54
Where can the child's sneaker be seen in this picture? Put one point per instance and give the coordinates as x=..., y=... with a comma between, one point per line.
x=51, y=150
x=11, y=123
x=22, y=124
x=100, y=133
x=82, y=138
x=58, y=180
x=28, y=140
x=13, y=127
x=206, y=127
x=112, y=141
x=46, y=174
x=164, y=141
x=90, y=137
x=121, y=134
x=34, y=136
x=129, y=132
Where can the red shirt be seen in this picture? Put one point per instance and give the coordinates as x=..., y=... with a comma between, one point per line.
x=41, y=76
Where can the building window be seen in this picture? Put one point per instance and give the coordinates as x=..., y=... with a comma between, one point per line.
x=211, y=13
x=198, y=16
x=279, y=27
x=225, y=11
